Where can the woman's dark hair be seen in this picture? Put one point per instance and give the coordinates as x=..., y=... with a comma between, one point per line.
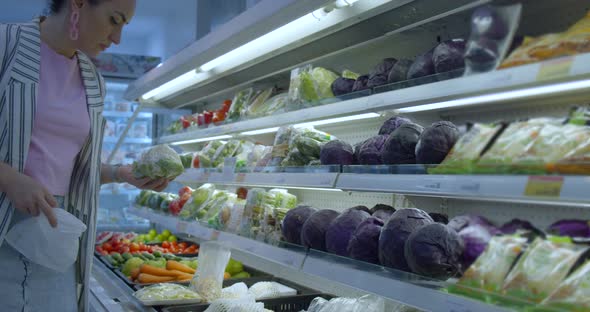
x=55, y=6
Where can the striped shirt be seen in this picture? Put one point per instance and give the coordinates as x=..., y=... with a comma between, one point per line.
x=20, y=59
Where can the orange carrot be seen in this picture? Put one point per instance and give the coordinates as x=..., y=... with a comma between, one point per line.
x=226, y=275
x=152, y=279
x=175, y=265
x=149, y=269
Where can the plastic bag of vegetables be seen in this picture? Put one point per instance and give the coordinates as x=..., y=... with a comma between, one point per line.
x=227, y=150
x=199, y=197
x=309, y=84
x=238, y=106
x=208, y=153
x=160, y=161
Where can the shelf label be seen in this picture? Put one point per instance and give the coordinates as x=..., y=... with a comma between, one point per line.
x=555, y=68
x=541, y=186
x=240, y=177
x=457, y=305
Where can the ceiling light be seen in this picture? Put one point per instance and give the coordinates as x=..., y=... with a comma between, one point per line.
x=501, y=96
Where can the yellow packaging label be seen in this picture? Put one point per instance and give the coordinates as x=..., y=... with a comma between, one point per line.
x=554, y=69
x=544, y=186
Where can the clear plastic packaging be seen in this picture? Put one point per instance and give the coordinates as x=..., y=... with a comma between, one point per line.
x=207, y=154
x=492, y=31
x=280, y=147
x=514, y=141
x=253, y=212
x=541, y=269
x=574, y=41
x=167, y=294
x=227, y=150
x=491, y=267
x=208, y=280
x=235, y=291
x=199, y=197
x=276, y=104
x=573, y=294
x=53, y=248
x=239, y=104
x=221, y=212
x=257, y=154
x=257, y=106
x=246, y=304
x=160, y=161
x=468, y=149
x=246, y=148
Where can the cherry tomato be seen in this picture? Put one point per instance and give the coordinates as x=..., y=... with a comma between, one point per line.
x=201, y=120
x=242, y=193
x=208, y=117
x=124, y=249
x=196, y=162
x=134, y=247
x=182, y=245
x=165, y=244
x=185, y=122
x=174, y=207
x=185, y=190
x=184, y=198
x=226, y=105
x=107, y=247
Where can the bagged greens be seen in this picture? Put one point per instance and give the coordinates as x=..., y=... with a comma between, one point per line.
x=541, y=269
x=309, y=85
x=239, y=104
x=573, y=294
x=467, y=150
x=160, y=161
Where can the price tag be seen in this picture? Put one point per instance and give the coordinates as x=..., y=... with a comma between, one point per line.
x=470, y=187
x=541, y=186
x=240, y=177
x=555, y=68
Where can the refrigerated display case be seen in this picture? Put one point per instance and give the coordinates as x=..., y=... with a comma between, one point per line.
x=286, y=47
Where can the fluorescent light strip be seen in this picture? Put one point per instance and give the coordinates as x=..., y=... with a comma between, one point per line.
x=260, y=131
x=501, y=96
x=307, y=188
x=182, y=82
x=337, y=120
x=220, y=137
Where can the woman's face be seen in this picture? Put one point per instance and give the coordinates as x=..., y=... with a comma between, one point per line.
x=101, y=25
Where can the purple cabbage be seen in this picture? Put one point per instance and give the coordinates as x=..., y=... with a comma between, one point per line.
x=382, y=211
x=392, y=124
x=422, y=66
x=400, y=147
x=364, y=244
x=435, y=142
x=434, y=250
x=476, y=239
x=313, y=232
x=341, y=229
x=439, y=217
x=572, y=228
x=449, y=55
x=361, y=83
x=515, y=225
x=369, y=152
x=336, y=152
x=342, y=86
x=379, y=75
x=460, y=222
x=293, y=223
x=394, y=234
x=399, y=72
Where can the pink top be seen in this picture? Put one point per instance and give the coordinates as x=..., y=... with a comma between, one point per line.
x=61, y=125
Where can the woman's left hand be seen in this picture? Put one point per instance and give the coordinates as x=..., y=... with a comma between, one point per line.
x=158, y=185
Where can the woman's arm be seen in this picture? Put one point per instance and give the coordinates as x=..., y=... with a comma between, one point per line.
x=124, y=174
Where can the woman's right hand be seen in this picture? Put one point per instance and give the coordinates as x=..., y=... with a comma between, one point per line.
x=27, y=195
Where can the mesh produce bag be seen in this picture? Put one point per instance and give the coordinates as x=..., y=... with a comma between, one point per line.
x=235, y=291
x=236, y=305
x=208, y=280
x=269, y=290
x=366, y=303
x=160, y=161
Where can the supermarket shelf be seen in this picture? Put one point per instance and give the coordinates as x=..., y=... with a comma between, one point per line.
x=129, y=140
x=117, y=114
x=537, y=189
x=561, y=78
x=286, y=257
x=311, y=180
x=507, y=188
x=401, y=287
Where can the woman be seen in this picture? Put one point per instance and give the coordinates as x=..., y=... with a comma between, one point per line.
x=51, y=127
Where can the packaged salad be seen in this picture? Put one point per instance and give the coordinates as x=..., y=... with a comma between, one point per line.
x=239, y=104
x=468, y=149
x=541, y=269
x=573, y=294
x=514, y=141
x=491, y=267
